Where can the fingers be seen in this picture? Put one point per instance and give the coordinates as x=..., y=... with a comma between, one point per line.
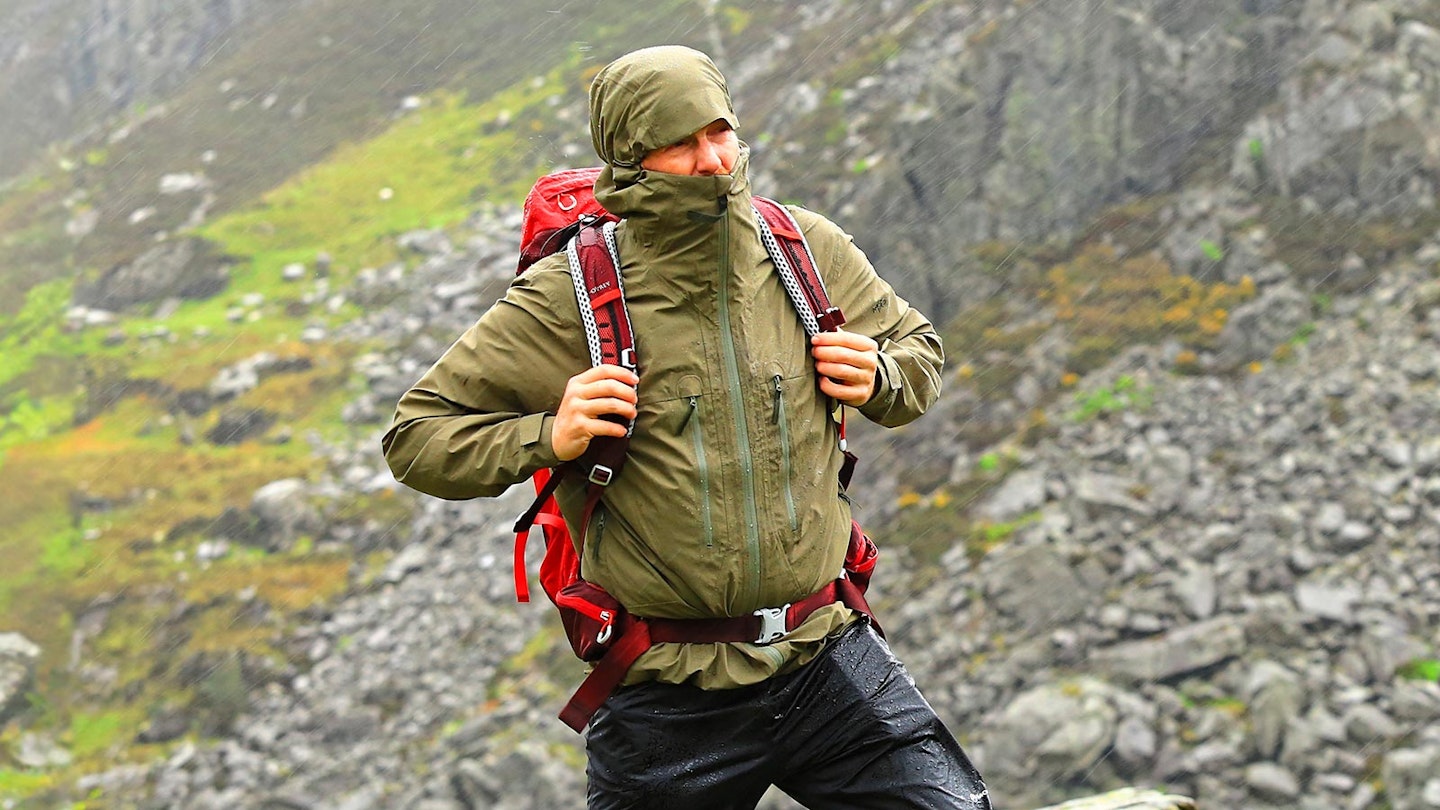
x=849, y=340
x=847, y=364
x=855, y=394
x=606, y=372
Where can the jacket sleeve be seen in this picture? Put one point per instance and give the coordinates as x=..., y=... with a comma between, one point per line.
x=480, y=419
x=911, y=354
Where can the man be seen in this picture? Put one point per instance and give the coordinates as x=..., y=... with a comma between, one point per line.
x=729, y=500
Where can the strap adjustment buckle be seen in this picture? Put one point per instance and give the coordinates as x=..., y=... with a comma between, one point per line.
x=772, y=624
x=600, y=475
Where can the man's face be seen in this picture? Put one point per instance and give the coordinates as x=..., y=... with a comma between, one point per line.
x=711, y=150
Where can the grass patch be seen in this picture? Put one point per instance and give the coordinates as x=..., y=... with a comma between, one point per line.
x=1122, y=395
x=35, y=330
x=1420, y=669
x=92, y=734
x=427, y=171
x=1315, y=243
x=17, y=784
x=543, y=666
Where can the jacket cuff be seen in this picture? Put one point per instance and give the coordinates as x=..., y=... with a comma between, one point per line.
x=888, y=379
x=535, y=431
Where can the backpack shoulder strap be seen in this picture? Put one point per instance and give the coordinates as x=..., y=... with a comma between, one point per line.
x=795, y=263
x=600, y=294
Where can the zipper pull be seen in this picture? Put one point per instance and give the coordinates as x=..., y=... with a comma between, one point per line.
x=775, y=412
x=690, y=414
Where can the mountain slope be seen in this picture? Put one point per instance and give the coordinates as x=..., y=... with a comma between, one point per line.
x=1187, y=255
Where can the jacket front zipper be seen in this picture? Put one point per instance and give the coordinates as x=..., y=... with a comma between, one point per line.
x=702, y=467
x=737, y=402
x=785, y=453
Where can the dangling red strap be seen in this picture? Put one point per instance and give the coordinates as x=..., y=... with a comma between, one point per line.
x=605, y=678
x=522, y=583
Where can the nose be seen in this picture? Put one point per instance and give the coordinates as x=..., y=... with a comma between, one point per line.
x=707, y=159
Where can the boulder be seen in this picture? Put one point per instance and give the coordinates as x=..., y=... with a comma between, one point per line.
x=1052, y=729
x=1129, y=799
x=1256, y=328
x=1180, y=652
x=1407, y=773
x=18, y=657
x=1036, y=586
x=237, y=425
x=178, y=268
x=283, y=512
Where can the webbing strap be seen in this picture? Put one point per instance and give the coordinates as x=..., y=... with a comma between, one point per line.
x=796, y=265
x=601, y=293
x=638, y=635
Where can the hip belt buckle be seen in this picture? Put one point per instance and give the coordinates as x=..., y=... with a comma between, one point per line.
x=772, y=624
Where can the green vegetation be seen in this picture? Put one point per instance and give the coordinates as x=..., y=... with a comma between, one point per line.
x=110, y=484
x=1122, y=395
x=127, y=454
x=35, y=330
x=428, y=171
x=1420, y=669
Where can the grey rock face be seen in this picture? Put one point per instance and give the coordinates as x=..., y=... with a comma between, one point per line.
x=59, y=78
x=179, y=268
x=1306, y=145
x=1036, y=586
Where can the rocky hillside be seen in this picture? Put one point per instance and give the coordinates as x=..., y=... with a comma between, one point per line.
x=1174, y=522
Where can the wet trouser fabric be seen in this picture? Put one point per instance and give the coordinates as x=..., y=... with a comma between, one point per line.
x=847, y=731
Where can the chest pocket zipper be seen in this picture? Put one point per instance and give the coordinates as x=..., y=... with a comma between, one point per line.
x=597, y=532
x=692, y=423
x=784, y=425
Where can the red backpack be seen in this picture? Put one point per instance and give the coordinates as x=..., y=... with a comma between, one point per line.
x=561, y=213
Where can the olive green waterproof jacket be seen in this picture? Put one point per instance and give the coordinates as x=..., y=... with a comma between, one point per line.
x=729, y=499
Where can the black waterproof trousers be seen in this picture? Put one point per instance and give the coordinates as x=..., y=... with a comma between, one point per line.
x=847, y=731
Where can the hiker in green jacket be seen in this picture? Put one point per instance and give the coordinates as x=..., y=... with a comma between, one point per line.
x=729, y=501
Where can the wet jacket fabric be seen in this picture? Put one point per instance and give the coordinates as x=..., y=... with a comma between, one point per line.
x=729, y=500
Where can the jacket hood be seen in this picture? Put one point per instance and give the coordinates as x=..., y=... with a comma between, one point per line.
x=654, y=97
